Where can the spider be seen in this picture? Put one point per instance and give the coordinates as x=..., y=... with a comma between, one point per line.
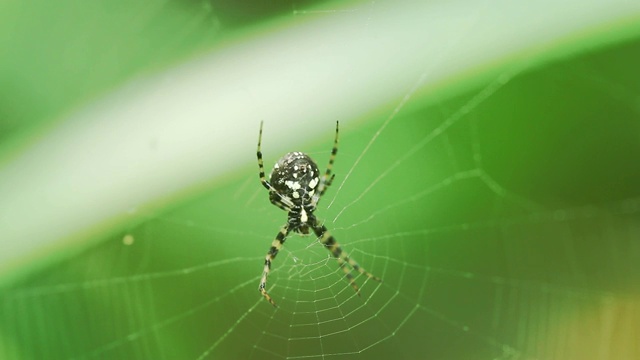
x=295, y=186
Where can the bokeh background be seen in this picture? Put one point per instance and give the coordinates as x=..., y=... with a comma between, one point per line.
x=500, y=205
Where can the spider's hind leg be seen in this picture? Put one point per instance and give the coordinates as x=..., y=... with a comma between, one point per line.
x=327, y=177
x=263, y=178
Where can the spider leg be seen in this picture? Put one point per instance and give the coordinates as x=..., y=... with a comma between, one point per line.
x=276, y=245
x=282, y=203
x=343, y=258
x=327, y=178
x=281, y=206
x=263, y=179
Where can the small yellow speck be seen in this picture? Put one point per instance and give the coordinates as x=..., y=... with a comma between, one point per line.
x=128, y=239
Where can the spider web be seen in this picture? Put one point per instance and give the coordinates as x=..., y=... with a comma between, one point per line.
x=499, y=233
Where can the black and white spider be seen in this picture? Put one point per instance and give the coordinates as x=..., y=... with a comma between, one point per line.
x=295, y=186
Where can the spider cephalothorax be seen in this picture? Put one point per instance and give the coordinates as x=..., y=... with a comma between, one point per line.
x=295, y=185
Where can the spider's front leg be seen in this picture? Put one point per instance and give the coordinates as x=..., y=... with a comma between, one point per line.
x=343, y=258
x=276, y=245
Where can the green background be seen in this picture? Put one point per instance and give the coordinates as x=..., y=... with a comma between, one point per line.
x=502, y=214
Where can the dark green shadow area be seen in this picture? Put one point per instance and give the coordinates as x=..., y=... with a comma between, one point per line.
x=505, y=229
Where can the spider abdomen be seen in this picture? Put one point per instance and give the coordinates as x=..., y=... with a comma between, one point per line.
x=296, y=177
